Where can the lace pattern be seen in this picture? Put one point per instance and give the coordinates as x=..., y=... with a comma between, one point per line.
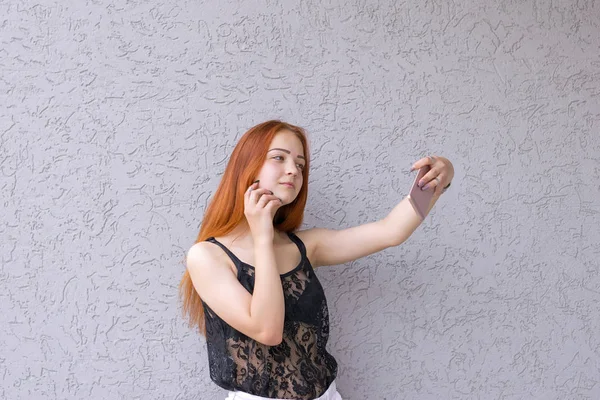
x=300, y=366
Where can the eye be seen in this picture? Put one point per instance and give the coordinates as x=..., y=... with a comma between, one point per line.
x=279, y=158
x=301, y=166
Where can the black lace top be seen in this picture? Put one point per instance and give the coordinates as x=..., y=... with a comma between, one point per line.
x=299, y=367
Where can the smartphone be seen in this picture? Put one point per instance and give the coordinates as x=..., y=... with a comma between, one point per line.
x=420, y=199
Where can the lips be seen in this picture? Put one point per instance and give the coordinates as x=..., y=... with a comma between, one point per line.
x=288, y=184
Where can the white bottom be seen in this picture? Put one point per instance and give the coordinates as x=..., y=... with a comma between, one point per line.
x=330, y=394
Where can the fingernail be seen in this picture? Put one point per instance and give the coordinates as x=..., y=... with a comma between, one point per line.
x=270, y=192
x=256, y=181
x=420, y=184
x=425, y=187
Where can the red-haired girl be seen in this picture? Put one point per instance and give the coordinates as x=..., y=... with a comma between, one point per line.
x=250, y=286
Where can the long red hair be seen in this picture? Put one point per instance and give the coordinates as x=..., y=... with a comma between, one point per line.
x=226, y=208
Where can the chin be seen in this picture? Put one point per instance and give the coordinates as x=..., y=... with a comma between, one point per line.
x=287, y=200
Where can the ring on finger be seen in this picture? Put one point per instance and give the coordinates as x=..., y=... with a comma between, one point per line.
x=438, y=180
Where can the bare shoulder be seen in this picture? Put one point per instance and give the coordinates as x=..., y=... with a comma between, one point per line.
x=201, y=252
x=206, y=258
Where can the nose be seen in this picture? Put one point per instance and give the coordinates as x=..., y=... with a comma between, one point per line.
x=291, y=168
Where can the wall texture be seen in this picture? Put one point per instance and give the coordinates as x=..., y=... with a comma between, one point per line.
x=117, y=119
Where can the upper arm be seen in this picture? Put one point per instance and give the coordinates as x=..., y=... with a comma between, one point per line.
x=218, y=287
x=332, y=247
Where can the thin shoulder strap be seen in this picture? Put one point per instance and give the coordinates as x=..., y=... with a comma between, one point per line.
x=233, y=257
x=299, y=243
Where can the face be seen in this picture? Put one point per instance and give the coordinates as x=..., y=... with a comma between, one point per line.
x=281, y=172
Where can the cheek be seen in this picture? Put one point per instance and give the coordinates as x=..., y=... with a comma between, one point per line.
x=300, y=183
x=267, y=174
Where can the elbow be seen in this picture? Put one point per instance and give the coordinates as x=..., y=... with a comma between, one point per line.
x=398, y=239
x=271, y=338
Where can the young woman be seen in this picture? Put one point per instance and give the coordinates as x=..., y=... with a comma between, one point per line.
x=250, y=286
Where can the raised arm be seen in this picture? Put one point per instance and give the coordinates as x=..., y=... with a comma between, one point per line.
x=331, y=247
x=259, y=315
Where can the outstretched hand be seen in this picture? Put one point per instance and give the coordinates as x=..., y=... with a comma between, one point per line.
x=439, y=176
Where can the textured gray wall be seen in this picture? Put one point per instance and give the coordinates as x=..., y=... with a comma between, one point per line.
x=116, y=122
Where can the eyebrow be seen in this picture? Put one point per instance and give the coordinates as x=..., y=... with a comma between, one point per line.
x=286, y=151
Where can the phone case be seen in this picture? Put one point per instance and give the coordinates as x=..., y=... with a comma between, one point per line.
x=420, y=199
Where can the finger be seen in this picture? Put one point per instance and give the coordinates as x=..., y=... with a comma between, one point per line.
x=430, y=160
x=252, y=195
x=439, y=187
x=273, y=204
x=256, y=194
x=433, y=183
x=432, y=173
x=259, y=193
x=252, y=187
x=266, y=198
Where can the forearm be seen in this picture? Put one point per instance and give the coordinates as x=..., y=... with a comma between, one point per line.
x=267, y=307
x=403, y=220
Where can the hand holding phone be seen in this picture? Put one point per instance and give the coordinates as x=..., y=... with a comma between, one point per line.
x=421, y=199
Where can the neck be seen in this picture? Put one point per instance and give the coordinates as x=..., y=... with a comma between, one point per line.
x=242, y=236
x=241, y=233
